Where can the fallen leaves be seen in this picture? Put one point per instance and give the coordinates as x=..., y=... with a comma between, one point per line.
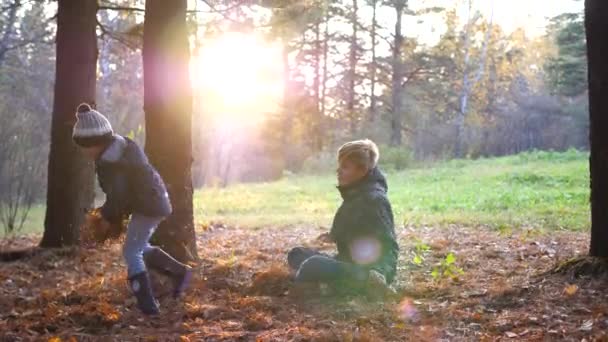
x=570, y=290
x=95, y=231
x=243, y=291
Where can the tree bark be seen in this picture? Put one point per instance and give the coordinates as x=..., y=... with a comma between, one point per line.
x=168, y=109
x=596, y=12
x=70, y=176
x=397, y=78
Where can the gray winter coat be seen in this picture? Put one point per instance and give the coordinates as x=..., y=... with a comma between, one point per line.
x=130, y=183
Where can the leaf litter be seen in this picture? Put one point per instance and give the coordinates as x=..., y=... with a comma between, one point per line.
x=243, y=292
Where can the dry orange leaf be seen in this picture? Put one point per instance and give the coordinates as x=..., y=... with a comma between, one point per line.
x=570, y=290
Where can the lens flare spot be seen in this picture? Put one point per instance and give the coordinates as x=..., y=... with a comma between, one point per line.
x=365, y=251
x=406, y=310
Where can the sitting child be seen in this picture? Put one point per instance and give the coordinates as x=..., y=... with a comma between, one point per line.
x=363, y=227
x=133, y=187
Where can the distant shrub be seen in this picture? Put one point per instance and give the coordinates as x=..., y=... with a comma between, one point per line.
x=396, y=158
x=320, y=163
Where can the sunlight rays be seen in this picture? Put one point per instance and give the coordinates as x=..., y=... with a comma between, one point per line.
x=238, y=75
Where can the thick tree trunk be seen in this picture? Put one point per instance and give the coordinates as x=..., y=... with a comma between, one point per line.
x=352, y=71
x=397, y=79
x=596, y=12
x=168, y=108
x=70, y=176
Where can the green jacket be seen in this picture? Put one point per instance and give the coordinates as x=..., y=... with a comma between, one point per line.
x=366, y=215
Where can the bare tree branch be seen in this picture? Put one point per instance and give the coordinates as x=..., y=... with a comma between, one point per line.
x=122, y=8
x=117, y=37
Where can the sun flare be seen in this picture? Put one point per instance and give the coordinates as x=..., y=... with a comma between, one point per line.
x=238, y=73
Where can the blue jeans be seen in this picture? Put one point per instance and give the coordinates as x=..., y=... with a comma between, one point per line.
x=139, y=232
x=312, y=266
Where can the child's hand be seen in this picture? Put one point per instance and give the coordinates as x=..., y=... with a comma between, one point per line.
x=98, y=230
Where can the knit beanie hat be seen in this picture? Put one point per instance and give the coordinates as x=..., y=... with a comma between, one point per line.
x=91, y=128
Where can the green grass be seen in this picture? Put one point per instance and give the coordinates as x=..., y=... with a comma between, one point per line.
x=539, y=189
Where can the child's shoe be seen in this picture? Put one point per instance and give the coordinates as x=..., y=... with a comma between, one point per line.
x=181, y=274
x=377, y=287
x=142, y=289
x=182, y=283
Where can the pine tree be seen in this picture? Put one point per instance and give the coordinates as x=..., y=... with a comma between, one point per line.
x=567, y=71
x=596, y=12
x=168, y=109
x=70, y=176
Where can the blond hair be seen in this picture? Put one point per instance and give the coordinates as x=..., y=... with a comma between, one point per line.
x=363, y=152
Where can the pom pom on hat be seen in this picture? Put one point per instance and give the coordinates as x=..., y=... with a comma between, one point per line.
x=83, y=108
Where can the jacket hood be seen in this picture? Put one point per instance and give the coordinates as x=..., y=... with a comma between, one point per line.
x=123, y=150
x=374, y=181
x=115, y=150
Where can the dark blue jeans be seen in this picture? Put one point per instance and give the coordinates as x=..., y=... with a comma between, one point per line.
x=313, y=266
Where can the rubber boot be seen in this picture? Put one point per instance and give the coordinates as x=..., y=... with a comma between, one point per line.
x=160, y=261
x=142, y=289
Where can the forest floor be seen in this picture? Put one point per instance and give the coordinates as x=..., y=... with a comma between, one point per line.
x=495, y=288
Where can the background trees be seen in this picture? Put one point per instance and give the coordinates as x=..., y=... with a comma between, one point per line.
x=348, y=71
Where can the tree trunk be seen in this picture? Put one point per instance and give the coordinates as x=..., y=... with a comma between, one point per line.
x=317, y=141
x=352, y=66
x=323, y=111
x=463, y=101
x=168, y=109
x=70, y=176
x=287, y=119
x=286, y=94
x=7, y=30
x=372, y=91
x=467, y=83
x=596, y=26
x=397, y=78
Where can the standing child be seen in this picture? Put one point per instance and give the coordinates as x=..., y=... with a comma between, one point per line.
x=363, y=228
x=132, y=187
